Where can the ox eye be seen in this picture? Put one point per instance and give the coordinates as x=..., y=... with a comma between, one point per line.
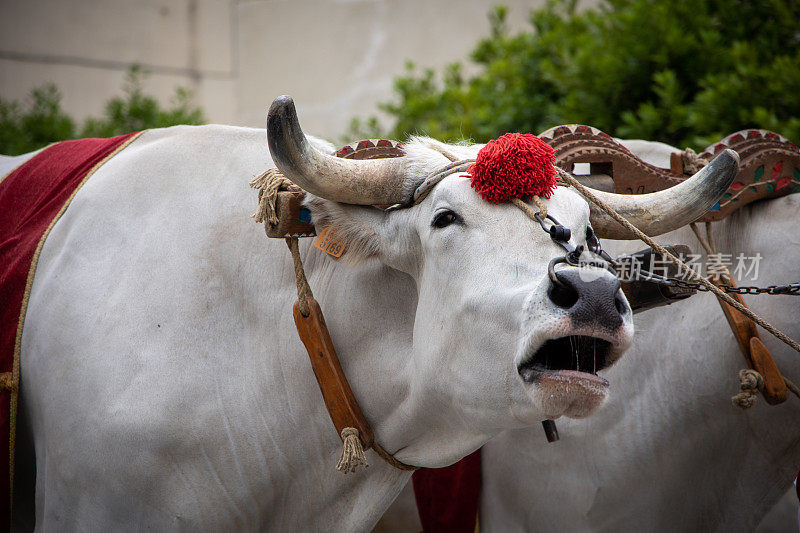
x=444, y=219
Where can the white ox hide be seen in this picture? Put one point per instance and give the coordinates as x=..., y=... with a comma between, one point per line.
x=668, y=451
x=163, y=382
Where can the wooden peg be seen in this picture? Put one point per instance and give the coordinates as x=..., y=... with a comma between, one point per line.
x=755, y=352
x=775, y=390
x=339, y=399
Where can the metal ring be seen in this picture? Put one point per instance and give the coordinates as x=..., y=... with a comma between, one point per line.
x=538, y=216
x=551, y=271
x=574, y=256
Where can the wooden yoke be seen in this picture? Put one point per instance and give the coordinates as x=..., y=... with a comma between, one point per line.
x=769, y=165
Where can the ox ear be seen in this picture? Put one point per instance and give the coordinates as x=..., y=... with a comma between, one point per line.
x=364, y=231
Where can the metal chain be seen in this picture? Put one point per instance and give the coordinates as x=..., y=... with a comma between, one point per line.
x=792, y=289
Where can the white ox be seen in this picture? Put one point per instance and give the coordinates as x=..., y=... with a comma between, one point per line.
x=668, y=451
x=163, y=382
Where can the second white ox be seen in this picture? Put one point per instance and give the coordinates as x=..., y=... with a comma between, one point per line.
x=163, y=381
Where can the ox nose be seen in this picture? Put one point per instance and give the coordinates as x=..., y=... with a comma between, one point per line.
x=597, y=301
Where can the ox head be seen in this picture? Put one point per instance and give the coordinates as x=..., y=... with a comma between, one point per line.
x=495, y=342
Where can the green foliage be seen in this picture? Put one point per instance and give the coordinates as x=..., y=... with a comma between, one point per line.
x=39, y=121
x=685, y=73
x=136, y=111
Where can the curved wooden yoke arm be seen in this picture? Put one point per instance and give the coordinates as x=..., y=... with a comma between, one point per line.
x=769, y=165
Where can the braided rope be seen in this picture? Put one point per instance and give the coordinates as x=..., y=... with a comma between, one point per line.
x=303, y=288
x=794, y=389
x=447, y=153
x=435, y=177
x=692, y=163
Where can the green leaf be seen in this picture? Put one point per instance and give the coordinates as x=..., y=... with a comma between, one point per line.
x=770, y=188
x=759, y=173
x=684, y=73
x=28, y=125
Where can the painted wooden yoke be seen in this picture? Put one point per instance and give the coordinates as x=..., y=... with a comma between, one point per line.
x=769, y=165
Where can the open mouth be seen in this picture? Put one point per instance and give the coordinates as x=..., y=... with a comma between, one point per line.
x=571, y=357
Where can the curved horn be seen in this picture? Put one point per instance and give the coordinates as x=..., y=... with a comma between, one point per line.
x=367, y=182
x=659, y=212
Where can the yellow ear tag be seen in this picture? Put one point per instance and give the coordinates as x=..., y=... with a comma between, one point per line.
x=326, y=241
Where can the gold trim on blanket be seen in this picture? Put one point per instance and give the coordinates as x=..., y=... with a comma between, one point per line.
x=14, y=385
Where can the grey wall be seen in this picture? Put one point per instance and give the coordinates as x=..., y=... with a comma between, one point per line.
x=336, y=57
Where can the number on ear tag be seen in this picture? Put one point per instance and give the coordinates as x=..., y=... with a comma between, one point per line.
x=328, y=243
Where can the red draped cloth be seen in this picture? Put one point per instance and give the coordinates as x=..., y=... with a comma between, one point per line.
x=447, y=498
x=32, y=198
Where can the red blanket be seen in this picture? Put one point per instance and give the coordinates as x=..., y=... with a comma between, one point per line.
x=447, y=498
x=32, y=198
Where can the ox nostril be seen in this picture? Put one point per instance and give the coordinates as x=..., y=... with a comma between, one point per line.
x=596, y=301
x=564, y=294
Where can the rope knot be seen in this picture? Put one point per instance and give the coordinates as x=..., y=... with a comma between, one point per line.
x=692, y=163
x=268, y=184
x=750, y=383
x=352, y=451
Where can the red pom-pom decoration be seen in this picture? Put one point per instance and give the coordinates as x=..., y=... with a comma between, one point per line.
x=515, y=165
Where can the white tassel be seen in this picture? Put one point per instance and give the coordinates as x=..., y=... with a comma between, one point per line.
x=352, y=452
